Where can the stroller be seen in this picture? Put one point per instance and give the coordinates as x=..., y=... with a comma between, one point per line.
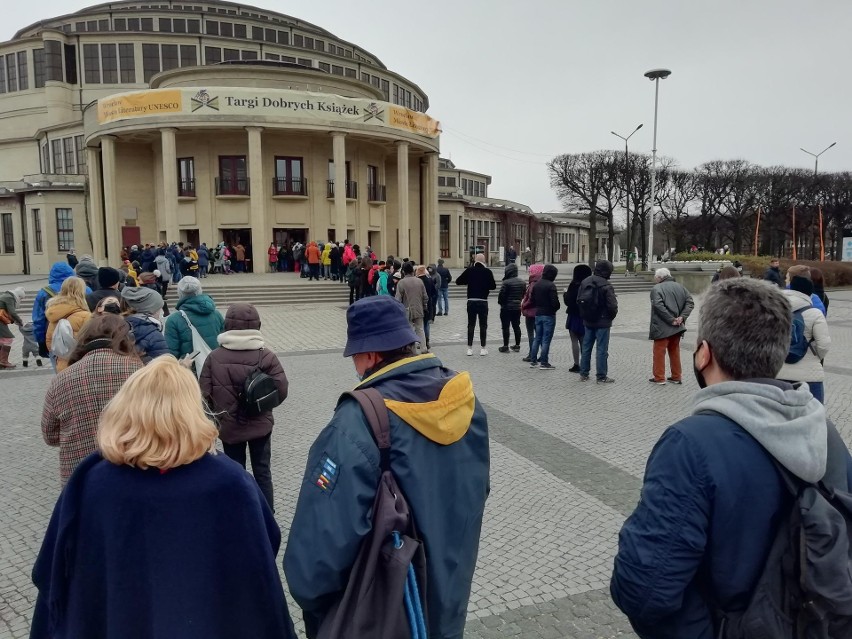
x=30, y=346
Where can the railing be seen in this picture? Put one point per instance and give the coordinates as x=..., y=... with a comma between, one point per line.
x=351, y=189
x=232, y=186
x=292, y=186
x=376, y=193
x=186, y=188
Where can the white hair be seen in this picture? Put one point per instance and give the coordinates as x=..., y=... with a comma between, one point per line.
x=662, y=273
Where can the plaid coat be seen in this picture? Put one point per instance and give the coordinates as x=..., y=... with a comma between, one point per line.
x=74, y=402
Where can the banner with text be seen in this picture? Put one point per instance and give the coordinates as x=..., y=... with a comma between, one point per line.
x=264, y=102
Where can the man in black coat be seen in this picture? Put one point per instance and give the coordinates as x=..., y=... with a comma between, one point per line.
x=444, y=289
x=480, y=282
x=510, y=297
x=773, y=273
x=546, y=302
x=598, y=307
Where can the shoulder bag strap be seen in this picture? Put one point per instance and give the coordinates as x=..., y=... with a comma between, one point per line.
x=373, y=405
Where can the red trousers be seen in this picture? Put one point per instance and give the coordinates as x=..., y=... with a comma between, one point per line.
x=672, y=345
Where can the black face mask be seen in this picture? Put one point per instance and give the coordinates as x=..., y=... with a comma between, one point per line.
x=699, y=376
x=112, y=308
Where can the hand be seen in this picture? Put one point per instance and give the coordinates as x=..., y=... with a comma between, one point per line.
x=187, y=361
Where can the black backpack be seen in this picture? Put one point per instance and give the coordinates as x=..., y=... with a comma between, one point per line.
x=260, y=392
x=805, y=588
x=386, y=592
x=589, y=301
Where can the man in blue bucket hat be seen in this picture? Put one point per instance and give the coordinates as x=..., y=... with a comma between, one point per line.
x=439, y=456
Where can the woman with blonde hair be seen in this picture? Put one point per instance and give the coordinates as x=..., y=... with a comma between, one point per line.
x=69, y=305
x=156, y=535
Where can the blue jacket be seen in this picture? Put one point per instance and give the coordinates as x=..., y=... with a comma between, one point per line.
x=203, y=256
x=707, y=517
x=59, y=272
x=202, y=312
x=439, y=456
x=149, y=340
x=190, y=553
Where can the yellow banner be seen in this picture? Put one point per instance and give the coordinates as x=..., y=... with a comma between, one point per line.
x=140, y=104
x=291, y=105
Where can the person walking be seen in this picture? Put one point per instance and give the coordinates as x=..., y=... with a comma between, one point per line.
x=671, y=305
x=240, y=255
x=439, y=447
x=59, y=272
x=511, y=255
x=715, y=491
x=325, y=261
x=479, y=281
x=334, y=262
x=69, y=305
x=203, y=261
x=9, y=302
x=164, y=265
x=411, y=292
x=104, y=358
x=528, y=307
x=422, y=273
x=353, y=271
x=241, y=353
x=574, y=322
x=808, y=368
x=546, y=301
x=598, y=307
x=365, y=269
x=509, y=298
x=157, y=526
x=200, y=311
x=446, y=280
x=272, y=257
x=142, y=309
x=528, y=258
x=312, y=257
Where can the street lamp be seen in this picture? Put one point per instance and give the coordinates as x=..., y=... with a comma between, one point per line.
x=626, y=173
x=816, y=169
x=655, y=75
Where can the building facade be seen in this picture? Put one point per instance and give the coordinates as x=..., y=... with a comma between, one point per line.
x=470, y=221
x=129, y=122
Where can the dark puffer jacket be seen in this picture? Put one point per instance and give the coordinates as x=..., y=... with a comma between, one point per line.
x=226, y=369
x=512, y=290
x=607, y=300
x=150, y=342
x=544, y=295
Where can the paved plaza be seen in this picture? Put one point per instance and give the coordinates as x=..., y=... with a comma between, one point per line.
x=567, y=460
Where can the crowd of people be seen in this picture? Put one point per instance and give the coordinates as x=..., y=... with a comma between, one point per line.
x=152, y=523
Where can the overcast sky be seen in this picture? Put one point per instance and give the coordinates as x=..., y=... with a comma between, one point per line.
x=514, y=83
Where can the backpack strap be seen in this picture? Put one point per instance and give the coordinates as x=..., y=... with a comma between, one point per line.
x=373, y=405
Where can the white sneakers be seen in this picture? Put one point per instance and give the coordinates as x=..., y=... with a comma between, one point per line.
x=469, y=352
x=483, y=352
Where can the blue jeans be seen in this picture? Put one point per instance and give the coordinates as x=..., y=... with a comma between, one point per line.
x=444, y=301
x=601, y=336
x=544, y=326
x=818, y=391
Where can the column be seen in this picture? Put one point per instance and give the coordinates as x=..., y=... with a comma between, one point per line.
x=170, y=185
x=113, y=223
x=261, y=235
x=430, y=211
x=96, y=205
x=340, y=221
x=403, y=223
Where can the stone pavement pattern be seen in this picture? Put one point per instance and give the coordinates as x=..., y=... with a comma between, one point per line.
x=567, y=460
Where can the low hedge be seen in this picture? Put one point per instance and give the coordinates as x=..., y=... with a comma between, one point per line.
x=834, y=273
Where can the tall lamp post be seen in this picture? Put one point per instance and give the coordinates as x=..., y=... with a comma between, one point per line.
x=626, y=174
x=816, y=170
x=656, y=75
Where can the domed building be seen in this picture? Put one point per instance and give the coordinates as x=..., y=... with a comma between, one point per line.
x=133, y=122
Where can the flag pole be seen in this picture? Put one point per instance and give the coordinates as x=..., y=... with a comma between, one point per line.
x=794, y=232
x=756, y=230
x=821, y=240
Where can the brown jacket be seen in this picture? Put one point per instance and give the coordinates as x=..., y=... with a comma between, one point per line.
x=411, y=292
x=224, y=375
x=75, y=315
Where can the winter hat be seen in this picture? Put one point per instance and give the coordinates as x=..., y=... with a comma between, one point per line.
x=377, y=324
x=86, y=267
x=440, y=262
x=188, y=286
x=108, y=277
x=147, y=278
x=241, y=317
x=144, y=300
x=802, y=285
x=19, y=293
x=480, y=257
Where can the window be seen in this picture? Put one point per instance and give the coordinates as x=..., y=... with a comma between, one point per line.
x=269, y=35
x=70, y=63
x=193, y=26
x=109, y=64
x=23, y=71
x=91, y=64
x=231, y=54
x=133, y=24
x=179, y=25
x=451, y=181
x=11, y=72
x=150, y=61
x=271, y=56
x=212, y=27
x=92, y=25
x=187, y=55
x=289, y=176
x=386, y=89
x=249, y=55
x=64, y=229
x=319, y=45
x=56, y=149
x=52, y=59
x=283, y=37
x=170, y=57
x=8, y=234
x=298, y=40
x=186, y=177
x=212, y=55
x=45, y=158
x=127, y=58
x=166, y=25
x=305, y=62
x=70, y=154
x=351, y=187
x=240, y=31
x=82, y=160
x=2, y=76
x=336, y=69
x=147, y=24
x=227, y=29
x=120, y=24
x=324, y=66
x=38, y=67
x=350, y=73
x=37, y=231
x=257, y=33
x=375, y=191
x=233, y=177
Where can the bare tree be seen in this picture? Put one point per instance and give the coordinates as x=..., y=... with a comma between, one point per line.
x=676, y=198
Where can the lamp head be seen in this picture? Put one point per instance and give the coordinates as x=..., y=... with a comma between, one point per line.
x=658, y=74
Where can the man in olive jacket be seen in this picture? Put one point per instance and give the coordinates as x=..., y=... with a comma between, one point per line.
x=671, y=305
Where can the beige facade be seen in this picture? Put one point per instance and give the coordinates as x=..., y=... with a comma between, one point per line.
x=206, y=123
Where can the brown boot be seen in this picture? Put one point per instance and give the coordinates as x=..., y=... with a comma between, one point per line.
x=4, y=357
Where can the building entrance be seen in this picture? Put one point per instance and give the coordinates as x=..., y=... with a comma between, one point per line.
x=232, y=237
